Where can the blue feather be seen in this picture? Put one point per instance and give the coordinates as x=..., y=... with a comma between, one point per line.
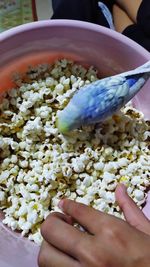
x=100, y=99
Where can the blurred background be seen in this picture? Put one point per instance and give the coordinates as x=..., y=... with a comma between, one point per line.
x=17, y=12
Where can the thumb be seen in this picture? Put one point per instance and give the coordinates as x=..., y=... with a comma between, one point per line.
x=134, y=216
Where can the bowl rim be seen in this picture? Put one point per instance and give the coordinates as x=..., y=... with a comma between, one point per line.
x=75, y=24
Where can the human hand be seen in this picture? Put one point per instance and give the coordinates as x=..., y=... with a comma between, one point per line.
x=107, y=242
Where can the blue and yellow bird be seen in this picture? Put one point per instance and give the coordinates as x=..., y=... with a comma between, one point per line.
x=100, y=99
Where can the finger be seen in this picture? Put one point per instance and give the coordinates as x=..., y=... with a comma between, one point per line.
x=65, y=237
x=87, y=217
x=51, y=257
x=132, y=213
x=68, y=219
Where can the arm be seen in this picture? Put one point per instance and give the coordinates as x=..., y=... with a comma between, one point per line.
x=139, y=31
x=130, y=7
x=121, y=19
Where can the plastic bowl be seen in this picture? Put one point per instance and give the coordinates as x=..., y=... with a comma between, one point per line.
x=42, y=42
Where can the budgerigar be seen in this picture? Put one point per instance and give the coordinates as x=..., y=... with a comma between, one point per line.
x=97, y=101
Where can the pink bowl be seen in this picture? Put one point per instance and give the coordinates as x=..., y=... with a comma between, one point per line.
x=42, y=42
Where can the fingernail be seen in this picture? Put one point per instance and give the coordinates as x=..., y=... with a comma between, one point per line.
x=60, y=204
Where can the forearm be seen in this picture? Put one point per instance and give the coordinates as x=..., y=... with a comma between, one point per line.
x=121, y=19
x=130, y=7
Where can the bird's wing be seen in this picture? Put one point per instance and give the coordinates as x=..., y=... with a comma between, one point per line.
x=101, y=98
x=139, y=70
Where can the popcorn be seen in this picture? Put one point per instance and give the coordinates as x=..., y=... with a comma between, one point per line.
x=14, y=159
x=136, y=180
x=22, y=210
x=84, y=200
x=39, y=166
x=102, y=206
x=77, y=165
x=108, y=177
x=25, y=227
x=139, y=195
x=2, y=196
x=99, y=166
x=110, y=197
x=87, y=181
x=23, y=164
x=13, y=225
x=32, y=217
x=36, y=237
x=44, y=112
